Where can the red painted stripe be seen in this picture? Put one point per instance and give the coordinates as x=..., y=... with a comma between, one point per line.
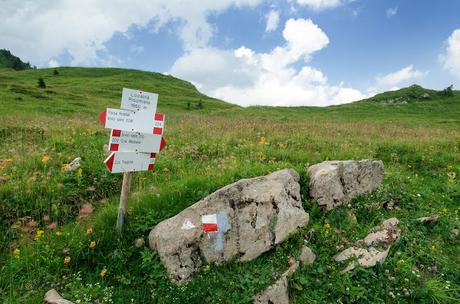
x=151, y=166
x=162, y=144
x=114, y=147
x=153, y=155
x=102, y=117
x=159, y=116
x=157, y=131
x=116, y=133
x=209, y=227
x=109, y=162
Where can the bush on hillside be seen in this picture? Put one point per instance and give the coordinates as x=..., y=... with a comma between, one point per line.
x=41, y=83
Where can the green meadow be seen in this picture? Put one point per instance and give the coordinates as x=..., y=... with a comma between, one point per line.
x=46, y=242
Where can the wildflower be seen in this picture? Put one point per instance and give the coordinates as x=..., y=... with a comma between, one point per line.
x=38, y=234
x=58, y=233
x=282, y=146
x=67, y=260
x=92, y=245
x=327, y=226
x=444, y=210
x=2, y=167
x=89, y=231
x=45, y=158
x=103, y=272
x=207, y=268
x=17, y=253
x=7, y=160
x=166, y=170
x=262, y=140
x=433, y=247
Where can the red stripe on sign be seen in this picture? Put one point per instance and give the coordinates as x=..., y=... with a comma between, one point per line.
x=102, y=117
x=153, y=155
x=157, y=131
x=114, y=147
x=209, y=227
x=109, y=162
x=116, y=133
x=151, y=166
x=159, y=116
x=162, y=144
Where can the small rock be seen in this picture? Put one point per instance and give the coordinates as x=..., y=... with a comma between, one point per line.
x=53, y=297
x=139, y=242
x=336, y=183
x=86, y=210
x=374, y=247
x=307, y=257
x=53, y=225
x=74, y=165
x=455, y=232
x=275, y=294
x=428, y=219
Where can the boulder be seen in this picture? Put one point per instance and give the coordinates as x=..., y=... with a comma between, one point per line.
x=307, y=256
x=275, y=294
x=239, y=221
x=335, y=183
x=53, y=297
x=373, y=248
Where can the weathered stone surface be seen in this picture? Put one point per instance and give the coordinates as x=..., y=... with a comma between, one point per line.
x=53, y=297
x=335, y=183
x=428, y=219
x=373, y=248
x=253, y=215
x=307, y=256
x=278, y=292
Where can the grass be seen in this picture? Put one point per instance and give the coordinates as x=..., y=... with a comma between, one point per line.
x=208, y=148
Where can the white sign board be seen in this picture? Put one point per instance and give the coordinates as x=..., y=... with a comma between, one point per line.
x=136, y=100
x=128, y=120
x=120, y=162
x=134, y=141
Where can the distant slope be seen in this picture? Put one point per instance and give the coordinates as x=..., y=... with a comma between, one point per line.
x=410, y=94
x=77, y=91
x=8, y=60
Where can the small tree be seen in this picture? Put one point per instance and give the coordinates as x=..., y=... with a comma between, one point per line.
x=199, y=105
x=41, y=83
x=188, y=105
x=55, y=72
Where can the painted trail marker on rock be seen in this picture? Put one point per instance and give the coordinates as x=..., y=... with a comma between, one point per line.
x=135, y=139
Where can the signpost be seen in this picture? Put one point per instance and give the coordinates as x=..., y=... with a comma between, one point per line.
x=135, y=139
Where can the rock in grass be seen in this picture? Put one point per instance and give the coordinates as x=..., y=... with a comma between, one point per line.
x=373, y=248
x=239, y=221
x=53, y=297
x=335, y=183
x=307, y=257
x=428, y=219
x=275, y=294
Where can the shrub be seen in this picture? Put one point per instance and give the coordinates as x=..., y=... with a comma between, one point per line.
x=41, y=83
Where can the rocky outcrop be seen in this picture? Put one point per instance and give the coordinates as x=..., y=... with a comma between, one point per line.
x=53, y=297
x=373, y=248
x=335, y=183
x=239, y=221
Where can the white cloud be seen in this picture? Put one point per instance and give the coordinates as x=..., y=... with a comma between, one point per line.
x=137, y=49
x=392, y=11
x=53, y=63
x=273, y=19
x=451, y=58
x=40, y=30
x=403, y=75
x=246, y=77
x=320, y=4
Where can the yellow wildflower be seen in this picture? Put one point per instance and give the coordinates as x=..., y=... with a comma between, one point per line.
x=17, y=253
x=444, y=210
x=92, y=245
x=262, y=140
x=67, y=260
x=433, y=247
x=2, y=167
x=103, y=272
x=89, y=231
x=58, y=233
x=7, y=160
x=327, y=226
x=282, y=146
x=38, y=234
x=45, y=158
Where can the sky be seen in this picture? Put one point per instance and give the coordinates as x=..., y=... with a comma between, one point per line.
x=249, y=52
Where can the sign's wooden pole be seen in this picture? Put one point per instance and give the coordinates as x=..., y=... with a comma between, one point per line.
x=123, y=200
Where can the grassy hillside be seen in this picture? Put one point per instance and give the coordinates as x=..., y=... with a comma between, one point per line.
x=8, y=60
x=44, y=129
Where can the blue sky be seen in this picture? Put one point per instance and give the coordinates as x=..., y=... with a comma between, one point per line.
x=291, y=52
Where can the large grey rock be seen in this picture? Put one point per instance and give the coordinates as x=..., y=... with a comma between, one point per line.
x=53, y=297
x=373, y=248
x=335, y=183
x=253, y=215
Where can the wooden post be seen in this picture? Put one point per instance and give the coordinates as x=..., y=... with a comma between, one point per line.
x=123, y=200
